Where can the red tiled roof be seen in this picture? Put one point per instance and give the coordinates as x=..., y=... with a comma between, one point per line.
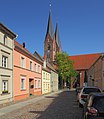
x=19, y=45
x=84, y=61
x=26, y=51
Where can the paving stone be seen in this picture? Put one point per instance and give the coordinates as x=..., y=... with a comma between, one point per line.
x=57, y=106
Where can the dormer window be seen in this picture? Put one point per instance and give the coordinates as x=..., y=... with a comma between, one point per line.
x=5, y=37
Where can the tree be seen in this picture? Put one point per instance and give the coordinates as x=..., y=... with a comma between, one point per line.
x=65, y=66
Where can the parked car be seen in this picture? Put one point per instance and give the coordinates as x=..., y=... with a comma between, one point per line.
x=94, y=106
x=84, y=93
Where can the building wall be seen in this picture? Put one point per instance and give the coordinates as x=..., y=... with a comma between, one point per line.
x=6, y=73
x=95, y=74
x=25, y=73
x=54, y=81
x=46, y=77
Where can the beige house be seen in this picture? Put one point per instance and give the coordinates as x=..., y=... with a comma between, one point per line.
x=6, y=63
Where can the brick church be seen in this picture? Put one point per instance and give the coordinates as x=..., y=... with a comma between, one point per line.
x=52, y=43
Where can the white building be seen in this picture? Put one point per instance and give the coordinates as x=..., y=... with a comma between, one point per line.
x=6, y=63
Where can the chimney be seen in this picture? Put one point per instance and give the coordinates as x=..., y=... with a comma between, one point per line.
x=23, y=44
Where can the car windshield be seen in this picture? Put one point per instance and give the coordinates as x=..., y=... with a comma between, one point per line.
x=90, y=90
x=98, y=103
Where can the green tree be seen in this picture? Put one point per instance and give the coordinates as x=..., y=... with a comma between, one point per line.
x=65, y=66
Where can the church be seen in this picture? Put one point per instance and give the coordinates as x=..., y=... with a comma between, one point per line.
x=52, y=43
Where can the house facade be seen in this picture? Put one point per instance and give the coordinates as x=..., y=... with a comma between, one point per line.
x=96, y=73
x=6, y=64
x=54, y=78
x=27, y=73
x=46, y=84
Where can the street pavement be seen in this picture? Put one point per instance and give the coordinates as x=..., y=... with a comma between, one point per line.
x=58, y=105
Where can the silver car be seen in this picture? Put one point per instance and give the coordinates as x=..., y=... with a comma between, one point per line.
x=84, y=93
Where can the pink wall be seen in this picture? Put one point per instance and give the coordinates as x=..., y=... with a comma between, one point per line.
x=25, y=73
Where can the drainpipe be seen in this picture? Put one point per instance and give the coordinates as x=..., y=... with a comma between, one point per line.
x=13, y=67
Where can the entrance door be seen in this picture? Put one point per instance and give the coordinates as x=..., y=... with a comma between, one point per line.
x=31, y=87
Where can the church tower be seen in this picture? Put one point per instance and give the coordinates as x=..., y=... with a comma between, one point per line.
x=52, y=43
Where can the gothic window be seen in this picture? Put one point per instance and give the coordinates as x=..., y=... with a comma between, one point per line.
x=48, y=46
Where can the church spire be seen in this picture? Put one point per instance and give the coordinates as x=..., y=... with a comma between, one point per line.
x=57, y=36
x=50, y=29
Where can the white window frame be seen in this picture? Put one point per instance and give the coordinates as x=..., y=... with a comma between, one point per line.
x=43, y=75
x=31, y=65
x=39, y=84
x=4, y=86
x=23, y=83
x=38, y=68
x=22, y=62
x=35, y=83
x=35, y=67
x=4, y=61
x=5, y=39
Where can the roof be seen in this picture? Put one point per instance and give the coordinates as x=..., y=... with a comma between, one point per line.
x=38, y=56
x=21, y=48
x=50, y=29
x=7, y=31
x=83, y=62
x=58, y=38
x=46, y=69
x=51, y=67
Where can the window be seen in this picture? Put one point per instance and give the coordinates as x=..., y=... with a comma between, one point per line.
x=5, y=86
x=5, y=37
x=44, y=75
x=22, y=62
x=22, y=84
x=35, y=85
x=4, y=61
x=44, y=86
x=30, y=65
x=35, y=67
x=38, y=68
x=39, y=84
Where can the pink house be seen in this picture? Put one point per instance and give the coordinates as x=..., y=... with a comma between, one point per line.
x=27, y=73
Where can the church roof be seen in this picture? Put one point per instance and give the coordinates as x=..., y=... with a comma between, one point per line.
x=50, y=29
x=57, y=36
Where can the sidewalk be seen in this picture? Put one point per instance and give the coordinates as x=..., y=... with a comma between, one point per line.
x=18, y=105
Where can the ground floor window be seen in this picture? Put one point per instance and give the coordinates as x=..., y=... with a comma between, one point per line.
x=4, y=86
x=35, y=85
x=23, y=84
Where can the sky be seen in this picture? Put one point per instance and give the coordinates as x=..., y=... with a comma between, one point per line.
x=80, y=23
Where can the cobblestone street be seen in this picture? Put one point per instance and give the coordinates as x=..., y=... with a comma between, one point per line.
x=58, y=106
